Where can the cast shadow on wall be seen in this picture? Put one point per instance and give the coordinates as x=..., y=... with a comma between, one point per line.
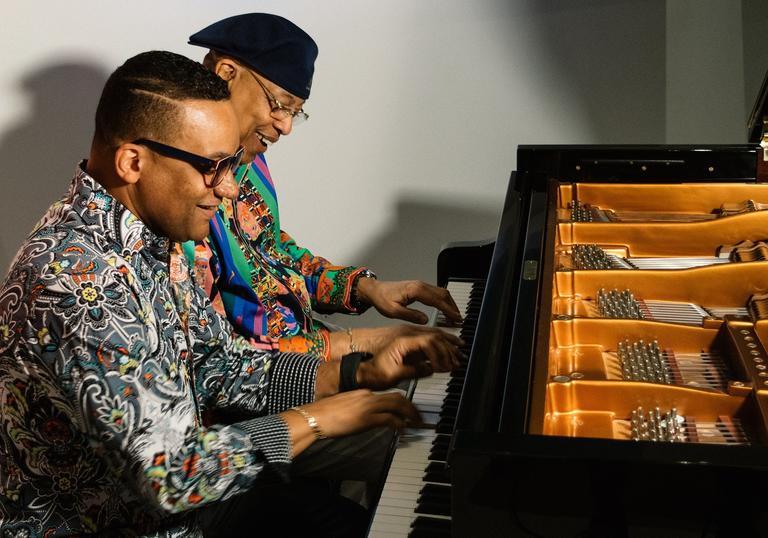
x=409, y=249
x=39, y=154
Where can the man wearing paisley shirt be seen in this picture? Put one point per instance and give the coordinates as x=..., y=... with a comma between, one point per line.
x=252, y=269
x=110, y=352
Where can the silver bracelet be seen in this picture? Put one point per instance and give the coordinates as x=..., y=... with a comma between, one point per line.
x=312, y=421
x=352, y=346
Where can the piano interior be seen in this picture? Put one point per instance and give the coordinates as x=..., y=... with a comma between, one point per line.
x=657, y=324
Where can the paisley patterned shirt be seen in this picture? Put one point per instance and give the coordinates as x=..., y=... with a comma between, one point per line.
x=108, y=356
x=258, y=276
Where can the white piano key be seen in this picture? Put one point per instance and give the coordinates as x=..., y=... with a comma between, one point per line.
x=400, y=489
x=404, y=501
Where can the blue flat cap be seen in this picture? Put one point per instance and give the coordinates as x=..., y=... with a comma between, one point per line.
x=270, y=44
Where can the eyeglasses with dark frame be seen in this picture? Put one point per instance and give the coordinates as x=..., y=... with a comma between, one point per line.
x=280, y=111
x=215, y=169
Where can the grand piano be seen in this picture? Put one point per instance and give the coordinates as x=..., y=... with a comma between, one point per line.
x=617, y=373
x=615, y=382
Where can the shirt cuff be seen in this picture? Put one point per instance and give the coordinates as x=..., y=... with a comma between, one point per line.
x=271, y=439
x=269, y=436
x=352, y=306
x=314, y=343
x=291, y=382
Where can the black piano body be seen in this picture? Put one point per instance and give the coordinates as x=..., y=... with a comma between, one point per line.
x=532, y=451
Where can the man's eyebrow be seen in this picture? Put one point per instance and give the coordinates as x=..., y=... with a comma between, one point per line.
x=218, y=155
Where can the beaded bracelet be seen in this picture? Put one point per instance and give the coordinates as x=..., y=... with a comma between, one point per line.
x=354, y=299
x=312, y=421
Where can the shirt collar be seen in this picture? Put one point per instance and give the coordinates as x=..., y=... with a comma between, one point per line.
x=96, y=207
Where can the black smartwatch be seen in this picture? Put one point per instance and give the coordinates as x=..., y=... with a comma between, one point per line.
x=348, y=372
x=354, y=300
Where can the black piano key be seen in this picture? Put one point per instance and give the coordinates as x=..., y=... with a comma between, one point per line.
x=437, y=472
x=453, y=390
x=428, y=534
x=425, y=526
x=441, y=443
x=449, y=410
x=468, y=337
x=450, y=398
x=434, y=508
x=455, y=382
x=452, y=393
x=441, y=440
x=449, y=403
x=447, y=418
x=445, y=426
x=435, y=493
x=438, y=454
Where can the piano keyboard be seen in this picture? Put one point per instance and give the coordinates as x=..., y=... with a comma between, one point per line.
x=416, y=498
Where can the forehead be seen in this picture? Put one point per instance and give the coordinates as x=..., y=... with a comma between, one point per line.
x=208, y=126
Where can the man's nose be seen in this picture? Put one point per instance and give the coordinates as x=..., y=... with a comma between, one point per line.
x=284, y=125
x=228, y=188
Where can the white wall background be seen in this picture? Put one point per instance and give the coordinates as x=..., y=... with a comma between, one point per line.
x=416, y=108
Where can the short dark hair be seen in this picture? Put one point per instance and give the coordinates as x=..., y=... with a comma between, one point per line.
x=140, y=99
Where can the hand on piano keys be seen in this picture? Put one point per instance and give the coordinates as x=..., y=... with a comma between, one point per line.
x=374, y=340
x=408, y=357
x=416, y=495
x=360, y=410
x=391, y=299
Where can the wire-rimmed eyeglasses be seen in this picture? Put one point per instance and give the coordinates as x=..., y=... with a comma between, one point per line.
x=280, y=111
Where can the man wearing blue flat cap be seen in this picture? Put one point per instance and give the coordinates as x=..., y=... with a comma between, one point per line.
x=255, y=272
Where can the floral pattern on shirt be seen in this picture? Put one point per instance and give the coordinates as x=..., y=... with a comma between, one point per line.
x=109, y=355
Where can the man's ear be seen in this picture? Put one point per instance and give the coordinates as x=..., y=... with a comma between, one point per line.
x=226, y=69
x=129, y=160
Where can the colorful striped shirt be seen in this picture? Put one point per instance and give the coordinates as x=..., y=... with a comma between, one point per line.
x=258, y=276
